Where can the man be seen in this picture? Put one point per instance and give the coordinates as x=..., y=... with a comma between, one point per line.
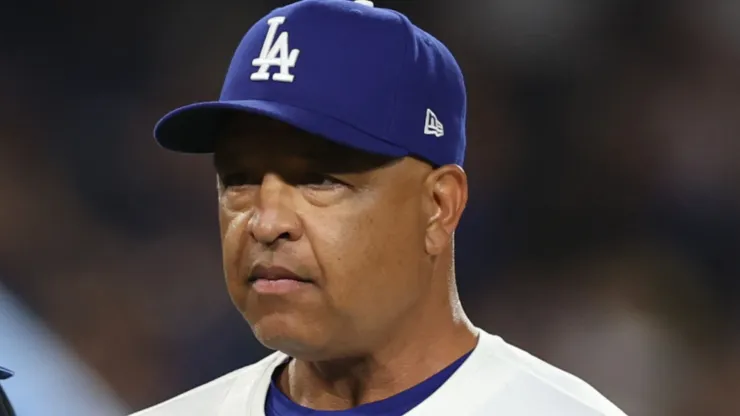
x=338, y=141
x=5, y=408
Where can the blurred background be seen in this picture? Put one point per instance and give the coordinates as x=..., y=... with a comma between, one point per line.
x=602, y=233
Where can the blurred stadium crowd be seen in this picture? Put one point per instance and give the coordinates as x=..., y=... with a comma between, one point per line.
x=603, y=229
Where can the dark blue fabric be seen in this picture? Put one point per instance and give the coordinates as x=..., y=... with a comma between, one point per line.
x=362, y=76
x=278, y=404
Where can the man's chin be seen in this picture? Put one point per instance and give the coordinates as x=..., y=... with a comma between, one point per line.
x=299, y=341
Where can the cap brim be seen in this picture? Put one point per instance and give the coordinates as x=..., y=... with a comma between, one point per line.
x=196, y=127
x=5, y=373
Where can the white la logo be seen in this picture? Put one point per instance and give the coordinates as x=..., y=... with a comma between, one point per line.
x=275, y=53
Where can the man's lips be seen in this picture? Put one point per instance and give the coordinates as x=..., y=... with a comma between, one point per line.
x=275, y=280
x=274, y=273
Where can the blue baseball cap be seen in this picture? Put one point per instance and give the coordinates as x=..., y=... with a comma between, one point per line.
x=358, y=75
x=5, y=373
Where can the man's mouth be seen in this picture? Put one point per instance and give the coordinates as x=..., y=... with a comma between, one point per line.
x=261, y=272
x=276, y=280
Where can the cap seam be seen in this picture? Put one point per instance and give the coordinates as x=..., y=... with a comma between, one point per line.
x=397, y=90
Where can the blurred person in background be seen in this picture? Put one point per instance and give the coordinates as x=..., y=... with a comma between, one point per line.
x=49, y=378
x=6, y=409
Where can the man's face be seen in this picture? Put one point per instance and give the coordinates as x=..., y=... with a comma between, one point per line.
x=322, y=245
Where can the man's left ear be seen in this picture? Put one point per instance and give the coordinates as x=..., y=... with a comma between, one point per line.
x=447, y=191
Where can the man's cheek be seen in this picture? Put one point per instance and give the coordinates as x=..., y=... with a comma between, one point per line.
x=234, y=237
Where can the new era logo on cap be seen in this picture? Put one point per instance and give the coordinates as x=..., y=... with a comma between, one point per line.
x=432, y=125
x=345, y=70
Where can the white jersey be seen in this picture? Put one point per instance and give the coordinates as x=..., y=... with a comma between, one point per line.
x=496, y=379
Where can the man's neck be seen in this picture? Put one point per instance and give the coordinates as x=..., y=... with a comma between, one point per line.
x=408, y=360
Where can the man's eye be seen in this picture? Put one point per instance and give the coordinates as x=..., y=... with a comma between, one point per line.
x=323, y=181
x=314, y=180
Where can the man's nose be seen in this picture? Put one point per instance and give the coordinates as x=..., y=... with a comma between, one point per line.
x=274, y=217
